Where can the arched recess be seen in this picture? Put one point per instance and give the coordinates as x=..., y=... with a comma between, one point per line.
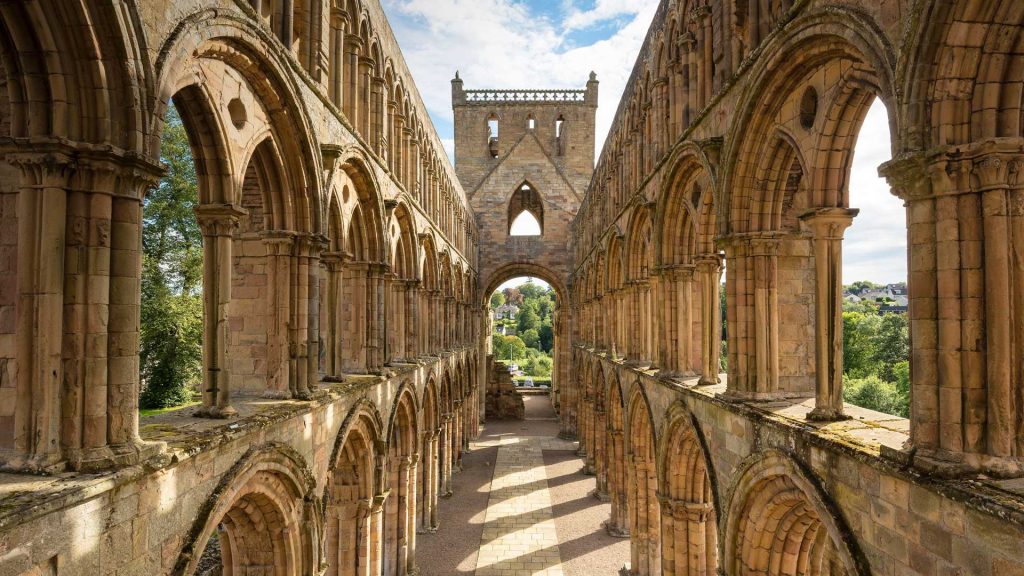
x=688, y=497
x=781, y=223
x=354, y=496
x=430, y=294
x=446, y=440
x=639, y=259
x=958, y=169
x=402, y=484
x=526, y=202
x=618, y=522
x=402, y=326
x=363, y=267
x=615, y=283
x=781, y=523
x=261, y=518
x=642, y=487
x=690, y=269
x=599, y=432
x=430, y=486
x=566, y=395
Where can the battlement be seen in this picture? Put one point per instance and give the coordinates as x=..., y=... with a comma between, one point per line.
x=586, y=96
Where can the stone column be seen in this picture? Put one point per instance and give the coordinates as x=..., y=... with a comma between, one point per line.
x=279, y=249
x=753, y=344
x=375, y=317
x=407, y=546
x=618, y=522
x=299, y=320
x=828, y=225
x=218, y=223
x=336, y=56
x=376, y=522
x=966, y=224
x=412, y=312
x=316, y=245
x=457, y=431
x=709, y=269
x=32, y=414
x=446, y=455
x=435, y=479
x=689, y=545
x=335, y=296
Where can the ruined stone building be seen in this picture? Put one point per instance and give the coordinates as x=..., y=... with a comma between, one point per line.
x=347, y=266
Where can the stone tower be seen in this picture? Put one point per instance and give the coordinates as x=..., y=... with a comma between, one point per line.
x=532, y=151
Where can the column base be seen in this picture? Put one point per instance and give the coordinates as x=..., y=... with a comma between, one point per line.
x=566, y=435
x=447, y=494
x=615, y=531
x=46, y=464
x=823, y=414
x=114, y=456
x=945, y=464
x=216, y=412
x=705, y=381
x=602, y=496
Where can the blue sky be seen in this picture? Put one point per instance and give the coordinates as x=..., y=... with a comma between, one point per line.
x=556, y=43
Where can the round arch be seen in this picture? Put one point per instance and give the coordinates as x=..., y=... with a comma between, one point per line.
x=781, y=522
x=262, y=515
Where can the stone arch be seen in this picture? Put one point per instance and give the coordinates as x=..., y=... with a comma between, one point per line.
x=245, y=47
x=263, y=517
x=843, y=39
x=430, y=460
x=688, y=496
x=780, y=522
x=642, y=490
x=526, y=199
x=958, y=93
x=399, y=531
x=403, y=263
x=618, y=522
x=640, y=259
x=354, y=496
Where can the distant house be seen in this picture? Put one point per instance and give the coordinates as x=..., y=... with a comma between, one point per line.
x=506, y=311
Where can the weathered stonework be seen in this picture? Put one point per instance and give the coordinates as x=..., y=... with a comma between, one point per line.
x=347, y=268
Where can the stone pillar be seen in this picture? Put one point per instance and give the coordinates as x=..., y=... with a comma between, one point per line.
x=966, y=299
x=689, y=544
x=828, y=225
x=332, y=332
x=299, y=320
x=218, y=223
x=32, y=413
x=709, y=269
x=376, y=522
x=446, y=455
x=314, y=366
x=375, y=317
x=754, y=331
x=457, y=431
x=279, y=249
x=412, y=312
x=435, y=479
x=407, y=548
x=350, y=71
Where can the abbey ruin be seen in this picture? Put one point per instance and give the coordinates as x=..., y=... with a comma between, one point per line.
x=347, y=267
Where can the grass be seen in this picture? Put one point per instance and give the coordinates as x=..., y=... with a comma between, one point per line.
x=143, y=412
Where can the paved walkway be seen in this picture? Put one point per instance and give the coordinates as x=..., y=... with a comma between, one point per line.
x=522, y=508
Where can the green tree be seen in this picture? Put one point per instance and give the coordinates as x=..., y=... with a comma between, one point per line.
x=170, y=355
x=891, y=343
x=527, y=319
x=515, y=347
x=531, y=338
x=859, y=330
x=497, y=299
x=874, y=393
x=547, y=336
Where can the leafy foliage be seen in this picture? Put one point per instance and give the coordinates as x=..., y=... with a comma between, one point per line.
x=534, y=328
x=172, y=269
x=876, y=372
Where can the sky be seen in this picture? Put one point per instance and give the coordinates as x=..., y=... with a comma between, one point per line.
x=557, y=43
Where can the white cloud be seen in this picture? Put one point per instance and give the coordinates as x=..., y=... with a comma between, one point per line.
x=602, y=11
x=875, y=247
x=502, y=44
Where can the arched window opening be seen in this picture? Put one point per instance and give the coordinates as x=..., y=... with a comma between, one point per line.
x=560, y=133
x=522, y=314
x=525, y=213
x=171, y=313
x=492, y=135
x=531, y=122
x=876, y=341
